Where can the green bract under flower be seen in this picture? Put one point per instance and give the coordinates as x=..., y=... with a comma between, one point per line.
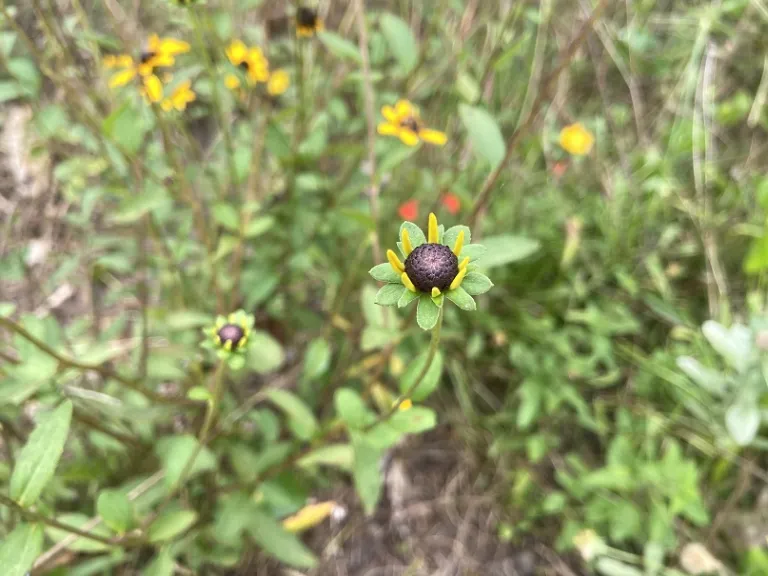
x=229, y=337
x=437, y=266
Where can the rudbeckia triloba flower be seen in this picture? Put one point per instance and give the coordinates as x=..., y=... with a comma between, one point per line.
x=251, y=61
x=229, y=337
x=179, y=98
x=307, y=22
x=436, y=267
x=576, y=139
x=159, y=53
x=278, y=82
x=404, y=122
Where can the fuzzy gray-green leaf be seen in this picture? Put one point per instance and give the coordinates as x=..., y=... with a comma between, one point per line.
x=385, y=273
x=475, y=283
x=390, y=294
x=462, y=299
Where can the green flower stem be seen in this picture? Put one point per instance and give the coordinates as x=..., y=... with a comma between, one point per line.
x=105, y=371
x=211, y=71
x=434, y=346
x=212, y=407
x=53, y=523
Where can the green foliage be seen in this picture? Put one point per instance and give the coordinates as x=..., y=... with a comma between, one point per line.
x=141, y=215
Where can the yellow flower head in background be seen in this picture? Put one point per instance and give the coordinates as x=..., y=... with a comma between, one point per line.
x=159, y=53
x=278, y=82
x=404, y=122
x=576, y=139
x=251, y=61
x=308, y=22
x=179, y=98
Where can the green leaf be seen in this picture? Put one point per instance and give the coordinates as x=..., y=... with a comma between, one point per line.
x=415, y=420
x=175, y=451
x=317, y=359
x=171, y=524
x=406, y=298
x=430, y=380
x=757, y=258
x=506, y=249
x=375, y=337
x=611, y=567
x=126, y=128
x=26, y=73
x=352, y=409
x=390, y=294
x=226, y=246
x=265, y=354
x=427, y=313
x=401, y=42
x=20, y=549
x=484, y=133
x=474, y=251
x=187, y=319
x=301, y=421
x=10, y=91
x=259, y=226
x=734, y=344
x=336, y=455
x=475, y=283
x=385, y=273
x=367, y=473
x=743, y=421
x=133, y=208
x=463, y=300
x=711, y=380
x=116, y=510
x=269, y=534
x=162, y=565
x=339, y=46
x=36, y=464
x=415, y=234
x=226, y=215
x=450, y=236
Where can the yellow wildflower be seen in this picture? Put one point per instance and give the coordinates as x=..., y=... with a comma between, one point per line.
x=405, y=405
x=308, y=22
x=278, y=82
x=403, y=121
x=250, y=60
x=576, y=139
x=179, y=98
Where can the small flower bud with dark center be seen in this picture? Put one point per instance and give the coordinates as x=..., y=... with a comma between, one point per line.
x=431, y=266
x=306, y=17
x=231, y=333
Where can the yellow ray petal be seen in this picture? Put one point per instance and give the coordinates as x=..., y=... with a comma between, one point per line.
x=409, y=137
x=119, y=61
x=394, y=261
x=154, y=43
x=232, y=82
x=433, y=136
x=407, y=282
x=432, y=229
x=403, y=108
x=172, y=46
x=236, y=52
x=388, y=129
x=153, y=88
x=459, y=243
x=435, y=291
x=464, y=263
x=406, y=240
x=389, y=114
x=457, y=281
x=278, y=82
x=122, y=78
x=309, y=516
x=167, y=104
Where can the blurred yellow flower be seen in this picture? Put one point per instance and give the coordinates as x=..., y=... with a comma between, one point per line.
x=308, y=22
x=250, y=60
x=404, y=122
x=179, y=98
x=405, y=405
x=159, y=53
x=309, y=516
x=576, y=139
x=278, y=82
